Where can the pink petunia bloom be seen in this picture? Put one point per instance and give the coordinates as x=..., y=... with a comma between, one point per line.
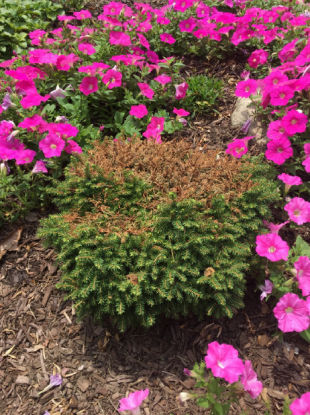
x=275, y=78
x=146, y=90
x=82, y=14
x=188, y=25
x=301, y=406
x=112, y=79
x=65, y=62
x=294, y=122
x=138, y=111
x=52, y=145
x=246, y=88
x=237, y=148
x=58, y=93
x=306, y=162
x=39, y=167
x=119, y=38
x=34, y=123
x=63, y=129
x=167, y=38
x=302, y=267
x=224, y=362
x=273, y=227
x=292, y=313
x=154, y=128
x=89, y=85
x=272, y=246
x=298, y=210
x=180, y=112
x=143, y=41
x=290, y=180
x=281, y=95
x=182, y=5
x=258, y=57
x=163, y=79
x=86, y=48
x=180, y=90
x=33, y=100
x=279, y=150
x=249, y=380
x=133, y=401
x=25, y=156
x=276, y=130
x=72, y=147
x=266, y=289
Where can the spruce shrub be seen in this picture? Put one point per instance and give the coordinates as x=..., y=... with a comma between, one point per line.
x=148, y=230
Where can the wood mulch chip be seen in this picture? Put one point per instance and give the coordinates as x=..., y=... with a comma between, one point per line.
x=40, y=335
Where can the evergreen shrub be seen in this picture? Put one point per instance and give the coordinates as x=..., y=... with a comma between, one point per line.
x=148, y=230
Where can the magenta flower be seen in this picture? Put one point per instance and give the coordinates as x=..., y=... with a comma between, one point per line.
x=34, y=123
x=119, y=38
x=290, y=180
x=294, y=122
x=180, y=90
x=237, y=148
x=33, y=100
x=163, y=79
x=272, y=246
x=274, y=79
x=279, y=150
x=133, y=401
x=302, y=266
x=39, y=167
x=180, y=112
x=63, y=130
x=72, y=147
x=86, y=48
x=89, y=85
x=83, y=14
x=298, y=210
x=112, y=78
x=273, y=227
x=246, y=88
x=182, y=5
x=143, y=41
x=281, y=95
x=224, y=362
x=301, y=406
x=25, y=156
x=65, y=62
x=249, y=380
x=52, y=145
x=146, y=90
x=138, y=111
x=258, y=57
x=292, y=313
x=266, y=289
x=167, y=38
x=187, y=25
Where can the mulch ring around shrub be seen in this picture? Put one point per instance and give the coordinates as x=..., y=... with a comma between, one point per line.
x=40, y=334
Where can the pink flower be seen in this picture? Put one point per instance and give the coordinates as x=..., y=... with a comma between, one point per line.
x=272, y=246
x=258, y=57
x=246, y=88
x=224, y=362
x=291, y=313
x=266, y=289
x=120, y=38
x=237, y=148
x=146, y=90
x=290, y=180
x=298, y=210
x=301, y=406
x=281, y=95
x=133, y=401
x=86, y=48
x=112, y=78
x=182, y=5
x=154, y=128
x=34, y=123
x=25, y=156
x=276, y=130
x=163, y=79
x=180, y=90
x=39, y=167
x=83, y=14
x=72, y=147
x=180, y=112
x=65, y=62
x=274, y=228
x=138, y=111
x=167, y=38
x=279, y=150
x=89, y=85
x=294, y=122
x=187, y=25
x=33, y=100
x=249, y=380
x=302, y=266
x=52, y=145
x=143, y=41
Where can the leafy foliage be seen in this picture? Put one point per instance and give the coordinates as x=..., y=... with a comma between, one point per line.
x=147, y=230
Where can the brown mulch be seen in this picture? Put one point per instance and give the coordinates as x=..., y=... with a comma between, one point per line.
x=40, y=334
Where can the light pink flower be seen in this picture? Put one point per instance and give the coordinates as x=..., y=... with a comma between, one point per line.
x=301, y=406
x=112, y=78
x=133, y=401
x=224, y=362
x=180, y=90
x=138, y=111
x=72, y=147
x=298, y=210
x=302, y=266
x=146, y=90
x=272, y=246
x=292, y=313
x=246, y=88
x=39, y=167
x=266, y=289
x=279, y=150
x=290, y=180
x=119, y=38
x=249, y=380
x=52, y=145
x=294, y=122
x=86, y=48
x=89, y=85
